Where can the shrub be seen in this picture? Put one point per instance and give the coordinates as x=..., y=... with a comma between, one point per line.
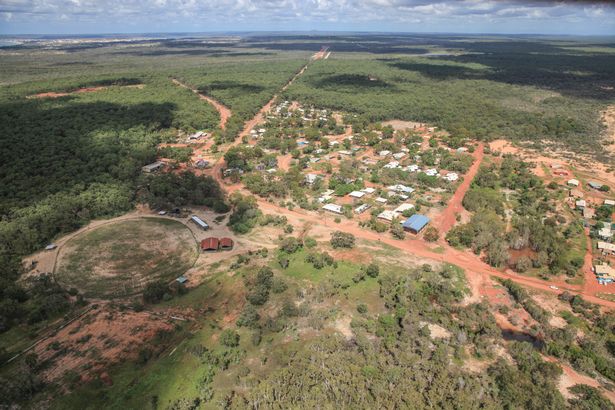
x=431, y=234
x=154, y=292
x=341, y=239
x=229, y=338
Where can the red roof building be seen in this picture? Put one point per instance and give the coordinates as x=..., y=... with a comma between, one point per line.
x=210, y=244
x=226, y=243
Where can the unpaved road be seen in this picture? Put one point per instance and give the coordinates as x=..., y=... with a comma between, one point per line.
x=223, y=110
x=447, y=219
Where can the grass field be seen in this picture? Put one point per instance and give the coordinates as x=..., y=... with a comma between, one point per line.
x=121, y=258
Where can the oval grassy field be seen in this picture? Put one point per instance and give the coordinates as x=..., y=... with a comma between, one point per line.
x=120, y=258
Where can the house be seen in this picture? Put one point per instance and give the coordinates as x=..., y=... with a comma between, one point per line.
x=182, y=279
x=399, y=155
x=368, y=190
x=210, y=244
x=462, y=149
x=362, y=208
x=605, y=233
x=381, y=200
x=402, y=208
x=401, y=188
x=594, y=185
x=231, y=171
x=199, y=222
x=51, y=247
x=388, y=215
x=153, y=167
x=226, y=244
x=196, y=135
x=357, y=194
x=609, y=202
x=575, y=193
x=201, y=164
x=416, y=223
x=336, y=209
x=432, y=172
x=573, y=182
x=345, y=152
x=384, y=153
x=392, y=165
x=412, y=168
x=604, y=270
x=588, y=213
x=580, y=204
x=607, y=248
x=451, y=177
x=311, y=178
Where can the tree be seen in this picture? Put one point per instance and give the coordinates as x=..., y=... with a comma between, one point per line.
x=431, y=234
x=229, y=338
x=372, y=270
x=397, y=231
x=341, y=239
x=154, y=292
x=523, y=264
x=497, y=253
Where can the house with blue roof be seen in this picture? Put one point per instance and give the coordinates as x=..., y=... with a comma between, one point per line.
x=415, y=223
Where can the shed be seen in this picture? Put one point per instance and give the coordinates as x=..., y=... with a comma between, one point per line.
x=573, y=182
x=595, y=185
x=153, y=167
x=182, y=279
x=226, y=244
x=199, y=222
x=336, y=209
x=609, y=202
x=416, y=223
x=210, y=244
x=51, y=247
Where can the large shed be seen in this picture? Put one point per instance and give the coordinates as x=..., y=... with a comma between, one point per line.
x=210, y=244
x=226, y=243
x=199, y=222
x=416, y=223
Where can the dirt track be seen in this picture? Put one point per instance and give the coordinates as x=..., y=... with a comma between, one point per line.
x=224, y=111
x=447, y=219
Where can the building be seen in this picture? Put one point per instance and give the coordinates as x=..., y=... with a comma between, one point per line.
x=384, y=153
x=226, y=244
x=199, y=222
x=580, y=204
x=609, y=202
x=336, y=209
x=605, y=233
x=575, y=193
x=604, y=271
x=311, y=178
x=368, y=191
x=588, y=213
x=153, y=167
x=451, y=177
x=392, y=165
x=399, y=155
x=594, y=185
x=607, y=248
x=416, y=223
x=432, y=172
x=357, y=194
x=362, y=208
x=201, y=164
x=388, y=215
x=573, y=182
x=381, y=200
x=51, y=247
x=196, y=135
x=210, y=244
x=181, y=280
x=412, y=168
x=401, y=188
x=403, y=208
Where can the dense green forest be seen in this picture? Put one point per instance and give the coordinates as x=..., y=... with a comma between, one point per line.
x=499, y=89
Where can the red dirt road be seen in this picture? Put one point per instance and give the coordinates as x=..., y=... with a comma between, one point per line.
x=223, y=111
x=447, y=219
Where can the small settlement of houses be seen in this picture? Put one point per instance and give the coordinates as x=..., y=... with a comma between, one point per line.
x=597, y=216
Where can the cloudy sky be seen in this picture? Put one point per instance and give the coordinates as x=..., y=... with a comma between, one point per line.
x=463, y=16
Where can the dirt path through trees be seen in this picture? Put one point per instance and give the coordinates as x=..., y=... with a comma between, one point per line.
x=224, y=111
x=447, y=219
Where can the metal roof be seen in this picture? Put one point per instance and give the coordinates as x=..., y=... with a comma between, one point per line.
x=416, y=222
x=209, y=243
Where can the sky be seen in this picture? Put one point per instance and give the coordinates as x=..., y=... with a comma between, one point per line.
x=574, y=17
